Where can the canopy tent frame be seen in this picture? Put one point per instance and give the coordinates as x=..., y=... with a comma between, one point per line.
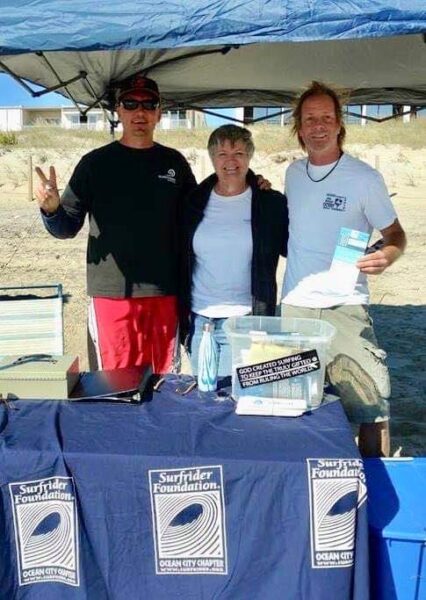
x=110, y=94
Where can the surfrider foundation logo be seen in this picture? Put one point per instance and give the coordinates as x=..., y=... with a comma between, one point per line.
x=189, y=520
x=46, y=534
x=334, y=202
x=337, y=489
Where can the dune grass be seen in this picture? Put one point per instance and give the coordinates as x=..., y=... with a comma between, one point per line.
x=268, y=138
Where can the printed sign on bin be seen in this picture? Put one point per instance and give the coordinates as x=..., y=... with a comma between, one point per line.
x=279, y=369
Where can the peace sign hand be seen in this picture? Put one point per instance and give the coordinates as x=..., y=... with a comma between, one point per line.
x=47, y=192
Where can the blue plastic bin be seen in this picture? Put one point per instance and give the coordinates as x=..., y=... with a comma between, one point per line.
x=397, y=528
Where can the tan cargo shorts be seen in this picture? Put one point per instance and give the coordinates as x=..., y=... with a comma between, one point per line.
x=356, y=365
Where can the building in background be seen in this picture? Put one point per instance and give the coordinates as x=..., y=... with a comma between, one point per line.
x=182, y=119
x=271, y=116
x=268, y=114
x=17, y=118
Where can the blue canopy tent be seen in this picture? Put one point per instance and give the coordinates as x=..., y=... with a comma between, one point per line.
x=218, y=54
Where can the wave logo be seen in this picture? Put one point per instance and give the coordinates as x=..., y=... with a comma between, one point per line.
x=46, y=534
x=170, y=176
x=337, y=490
x=189, y=520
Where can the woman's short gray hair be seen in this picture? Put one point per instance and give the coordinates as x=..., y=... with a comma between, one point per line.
x=232, y=134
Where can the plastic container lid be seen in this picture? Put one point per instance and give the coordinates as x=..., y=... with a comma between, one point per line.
x=278, y=328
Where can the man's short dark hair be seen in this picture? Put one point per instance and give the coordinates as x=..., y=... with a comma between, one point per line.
x=232, y=134
x=319, y=89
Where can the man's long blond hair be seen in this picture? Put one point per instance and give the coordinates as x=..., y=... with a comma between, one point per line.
x=319, y=89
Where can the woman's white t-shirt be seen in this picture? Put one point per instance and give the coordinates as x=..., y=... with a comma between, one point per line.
x=223, y=247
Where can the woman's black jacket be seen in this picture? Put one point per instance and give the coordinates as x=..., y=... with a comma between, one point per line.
x=269, y=223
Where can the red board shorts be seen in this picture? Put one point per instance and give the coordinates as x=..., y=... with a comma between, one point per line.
x=127, y=332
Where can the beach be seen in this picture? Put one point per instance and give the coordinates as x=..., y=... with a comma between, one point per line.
x=29, y=255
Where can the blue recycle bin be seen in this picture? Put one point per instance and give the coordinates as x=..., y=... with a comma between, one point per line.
x=397, y=528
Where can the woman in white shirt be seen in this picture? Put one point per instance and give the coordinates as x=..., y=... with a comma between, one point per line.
x=234, y=234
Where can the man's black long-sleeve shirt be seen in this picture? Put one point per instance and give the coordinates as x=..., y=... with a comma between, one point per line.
x=133, y=199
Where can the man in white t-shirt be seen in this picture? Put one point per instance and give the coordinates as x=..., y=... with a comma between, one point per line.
x=326, y=191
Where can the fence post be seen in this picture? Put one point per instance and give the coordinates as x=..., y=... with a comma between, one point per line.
x=30, y=178
x=377, y=162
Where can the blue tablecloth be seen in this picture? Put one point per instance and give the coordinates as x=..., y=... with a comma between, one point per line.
x=179, y=498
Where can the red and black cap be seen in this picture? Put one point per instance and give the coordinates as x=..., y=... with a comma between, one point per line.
x=138, y=83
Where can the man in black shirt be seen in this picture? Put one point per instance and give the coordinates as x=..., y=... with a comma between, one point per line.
x=132, y=191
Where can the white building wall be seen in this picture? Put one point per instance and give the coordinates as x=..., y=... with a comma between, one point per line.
x=180, y=119
x=165, y=122
x=70, y=119
x=65, y=120
x=406, y=118
x=16, y=118
x=10, y=118
x=100, y=124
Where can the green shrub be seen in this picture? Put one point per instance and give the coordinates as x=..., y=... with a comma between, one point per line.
x=8, y=139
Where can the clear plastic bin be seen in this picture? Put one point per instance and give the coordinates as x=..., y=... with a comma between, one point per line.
x=278, y=364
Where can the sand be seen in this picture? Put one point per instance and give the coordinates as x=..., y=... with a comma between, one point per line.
x=29, y=255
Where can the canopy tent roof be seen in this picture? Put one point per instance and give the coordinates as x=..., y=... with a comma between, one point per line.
x=221, y=53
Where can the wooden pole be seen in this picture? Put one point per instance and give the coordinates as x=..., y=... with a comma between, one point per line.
x=377, y=162
x=30, y=178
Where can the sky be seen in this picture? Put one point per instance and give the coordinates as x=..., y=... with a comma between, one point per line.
x=13, y=94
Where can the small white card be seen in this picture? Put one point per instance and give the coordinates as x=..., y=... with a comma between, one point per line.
x=351, y=245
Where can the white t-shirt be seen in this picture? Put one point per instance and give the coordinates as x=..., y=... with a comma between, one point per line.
x=223, y=247
x=354, y=195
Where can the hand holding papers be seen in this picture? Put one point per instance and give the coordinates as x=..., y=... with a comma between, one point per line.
x=351, y=245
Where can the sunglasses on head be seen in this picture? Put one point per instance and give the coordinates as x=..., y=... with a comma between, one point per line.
x=131, y=104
